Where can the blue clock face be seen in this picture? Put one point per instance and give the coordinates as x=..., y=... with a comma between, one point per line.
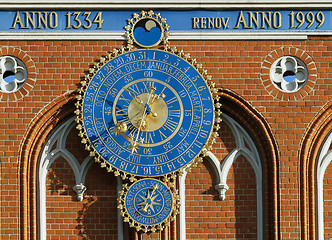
x=149, y=202
x=148, y=112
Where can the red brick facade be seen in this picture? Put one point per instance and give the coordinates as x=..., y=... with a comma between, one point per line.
x=288, y=130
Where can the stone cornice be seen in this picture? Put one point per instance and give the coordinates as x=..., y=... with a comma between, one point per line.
x=164, y=4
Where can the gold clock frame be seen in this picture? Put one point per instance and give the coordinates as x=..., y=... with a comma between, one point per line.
x=170, y=178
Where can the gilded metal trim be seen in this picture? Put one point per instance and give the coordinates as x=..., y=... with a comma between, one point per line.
x=171, y=185
x=147, y=15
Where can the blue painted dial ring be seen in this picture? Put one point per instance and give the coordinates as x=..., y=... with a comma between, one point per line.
x=149, y=202
x=187, y=127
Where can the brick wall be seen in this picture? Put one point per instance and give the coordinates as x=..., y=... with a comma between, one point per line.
x=60, y=202
x=236, y=66
x=209, y=218
x=67, y=218
x=93, y=218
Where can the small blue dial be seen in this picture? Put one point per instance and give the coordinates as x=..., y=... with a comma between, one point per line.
x=149, y=202
x=148, y=112
x=147, y=32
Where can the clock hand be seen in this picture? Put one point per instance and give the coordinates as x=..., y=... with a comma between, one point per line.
x=134, y=146
x=133, y=95
x=155, y=97
x=147, y=109
x=133, y=117
x=154, y=189
x=138, y=100
x=145, y=209
x=149, y=102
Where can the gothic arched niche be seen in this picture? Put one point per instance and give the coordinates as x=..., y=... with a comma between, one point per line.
x=31, y=146
x=66, y=168
x=315, y=157
x=251, y=143
x=240, y=214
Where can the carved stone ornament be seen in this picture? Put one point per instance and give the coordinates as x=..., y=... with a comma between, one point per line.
x=80, y=190
x=13, y=74
x=289, y=74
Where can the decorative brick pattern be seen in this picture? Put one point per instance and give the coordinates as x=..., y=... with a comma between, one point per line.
x=312, y=140
x=258, y=128
x=34, y=138
x=328, y=203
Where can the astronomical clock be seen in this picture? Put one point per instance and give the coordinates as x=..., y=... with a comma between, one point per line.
x=148, y=112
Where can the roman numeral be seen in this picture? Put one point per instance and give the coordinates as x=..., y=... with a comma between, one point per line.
x=134, y=89
x=170, y=125
x=132, y=130
x=174, y=113
x=147, y=85
x=120, y=111
x=170, y=101
x=149, y=138
x=125, y=99
x=124, y=119
x=162, y=135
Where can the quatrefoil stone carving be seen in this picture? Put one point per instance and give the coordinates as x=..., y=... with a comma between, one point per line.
x=288, y=74
x=13, y=74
